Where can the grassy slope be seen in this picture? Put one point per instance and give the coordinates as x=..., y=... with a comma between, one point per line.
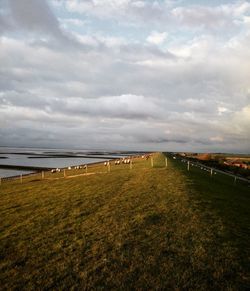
x=229, y=202
x=142, y=228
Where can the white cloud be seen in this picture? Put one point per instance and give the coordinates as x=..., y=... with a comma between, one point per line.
x=97, y=7
x=157, y=38
x=222, y=110
x=193, y=94
x=72, y=21
x=217, y=138
x=221, y=16
x=161, y=13
x=138, y=4
x=241, y=122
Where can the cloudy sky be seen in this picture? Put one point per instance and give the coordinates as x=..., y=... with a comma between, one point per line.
x=125, y=74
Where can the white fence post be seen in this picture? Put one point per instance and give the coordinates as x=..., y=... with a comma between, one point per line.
x=211, y=172
x=188, y=166
x=152, y=162
x=166, y=161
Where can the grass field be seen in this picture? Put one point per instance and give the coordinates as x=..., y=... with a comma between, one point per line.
x=144, y=228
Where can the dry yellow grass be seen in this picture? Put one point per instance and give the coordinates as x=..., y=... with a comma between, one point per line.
x=129, y=229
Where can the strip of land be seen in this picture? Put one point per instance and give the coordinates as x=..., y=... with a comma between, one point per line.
x=73, y=156
x=18, y=167
x=140, y=228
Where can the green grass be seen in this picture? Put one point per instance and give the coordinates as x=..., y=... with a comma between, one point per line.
x=128, y=229
x=229, y=202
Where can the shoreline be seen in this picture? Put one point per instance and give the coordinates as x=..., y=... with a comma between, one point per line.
x=25, y=168
x=41, y=169
x=73, y=156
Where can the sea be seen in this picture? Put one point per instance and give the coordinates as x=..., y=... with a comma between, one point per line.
x=49, y=158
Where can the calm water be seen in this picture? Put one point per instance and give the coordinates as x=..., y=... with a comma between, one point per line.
x=10, y=173
x=22, y=160
x=25, y=157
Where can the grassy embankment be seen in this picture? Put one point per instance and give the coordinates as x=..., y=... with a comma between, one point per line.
x=142, y=228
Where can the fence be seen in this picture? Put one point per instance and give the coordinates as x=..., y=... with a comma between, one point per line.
x=127, y=163
x=135, y=162
x=212, y=171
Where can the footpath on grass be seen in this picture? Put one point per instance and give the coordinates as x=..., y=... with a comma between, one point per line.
x=144, y=228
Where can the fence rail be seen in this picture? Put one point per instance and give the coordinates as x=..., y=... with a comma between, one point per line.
x=109, y=166
x=105, y=166
x=211, y=169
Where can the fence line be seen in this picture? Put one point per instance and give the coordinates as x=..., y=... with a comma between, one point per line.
x=213, y=170
x=107, y=165
x=65, y=171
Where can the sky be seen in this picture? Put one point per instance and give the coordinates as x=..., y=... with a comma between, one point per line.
x=168, y=75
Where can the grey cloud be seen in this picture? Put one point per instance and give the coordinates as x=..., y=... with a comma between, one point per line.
x=129, y=95
x=28, y=15
x=161, y=140
x=124, y=107
x=118, y=107
x=35, y=20
x=34, y=15
x=5, y=22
